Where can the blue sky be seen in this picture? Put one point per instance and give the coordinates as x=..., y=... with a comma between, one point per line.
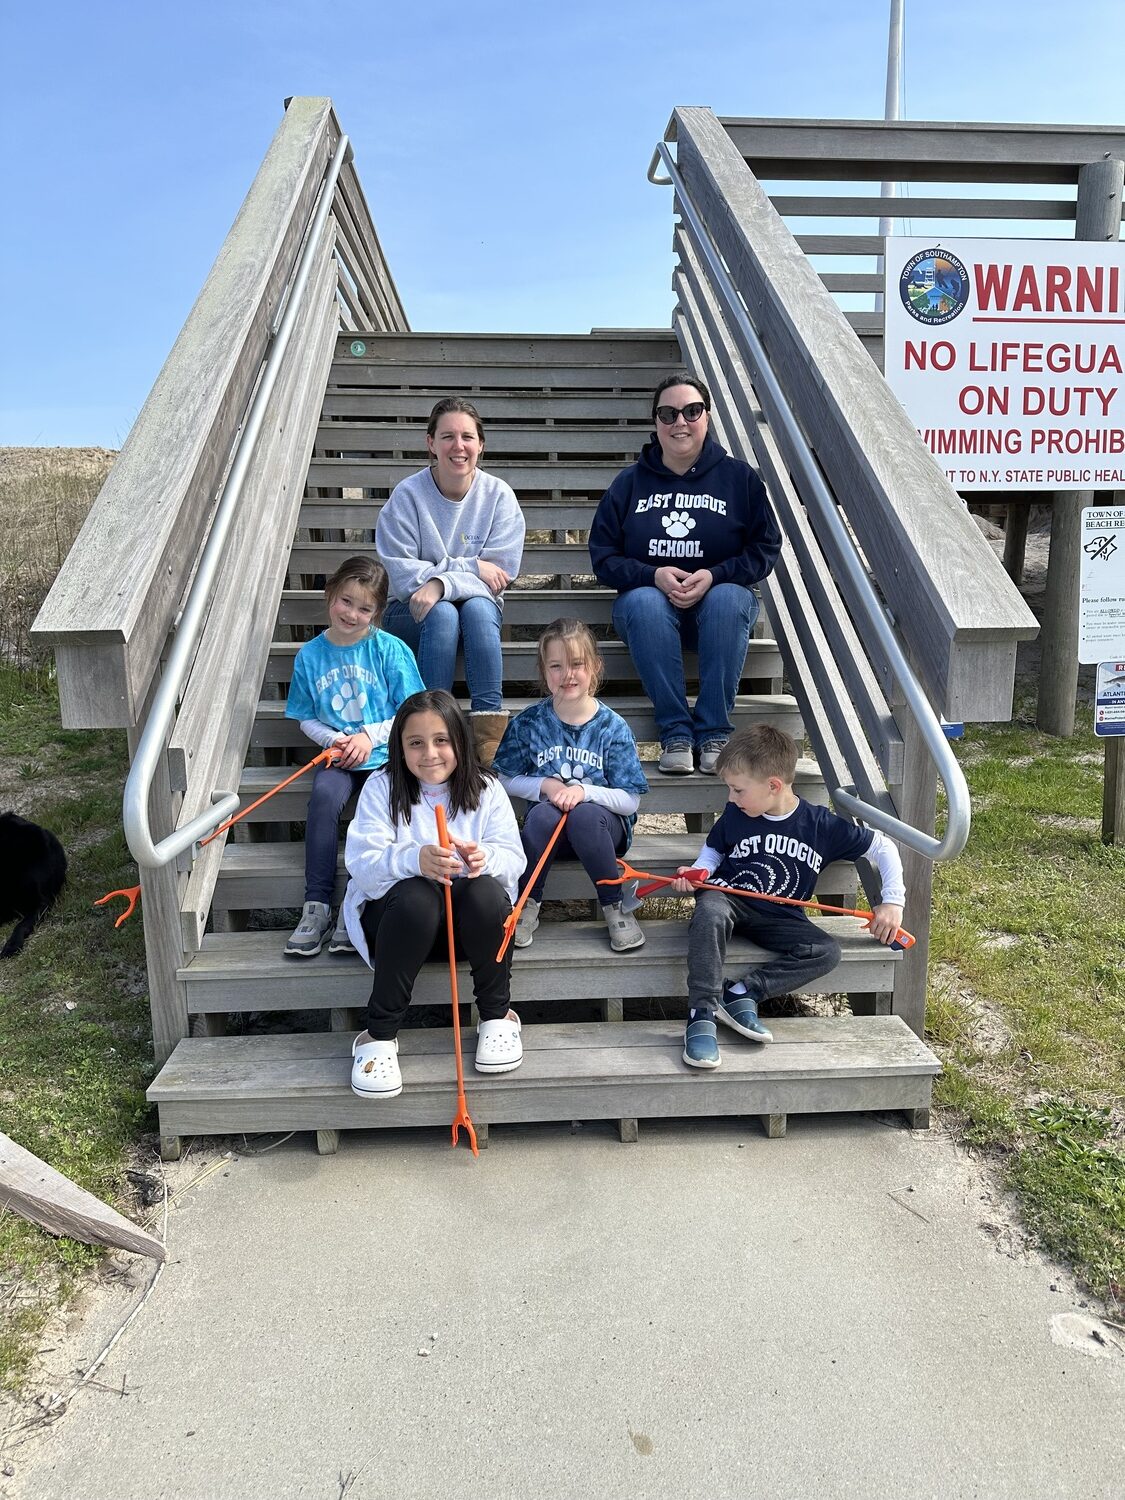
x=502, y=146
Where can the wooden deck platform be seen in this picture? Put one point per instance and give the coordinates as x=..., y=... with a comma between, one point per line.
x=627, y=1072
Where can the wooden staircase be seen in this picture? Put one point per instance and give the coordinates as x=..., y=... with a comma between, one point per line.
x=562, y=416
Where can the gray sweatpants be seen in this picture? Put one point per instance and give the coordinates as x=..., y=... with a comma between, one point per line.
x=804, y=951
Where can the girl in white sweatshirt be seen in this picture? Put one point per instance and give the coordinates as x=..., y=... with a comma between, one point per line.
x=395, y=905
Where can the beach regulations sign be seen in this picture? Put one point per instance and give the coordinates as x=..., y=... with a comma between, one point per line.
x=1009, y=356
x=1101, y=585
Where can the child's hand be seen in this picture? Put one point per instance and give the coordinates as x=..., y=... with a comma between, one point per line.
x=472, y=855
x=439, y=864
x=423, y=600
x=683, y=887
x=561, y=794
x=885, y=921
x=353, y=751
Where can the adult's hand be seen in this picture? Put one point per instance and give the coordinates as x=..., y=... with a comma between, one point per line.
x=693, y=587
x=424, y=599
x=668, y=581
x=492, y=575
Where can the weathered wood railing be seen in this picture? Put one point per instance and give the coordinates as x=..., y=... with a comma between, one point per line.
x=117, y=599
x=953, y=609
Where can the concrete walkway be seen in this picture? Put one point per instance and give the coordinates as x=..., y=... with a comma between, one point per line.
x=705, y=1313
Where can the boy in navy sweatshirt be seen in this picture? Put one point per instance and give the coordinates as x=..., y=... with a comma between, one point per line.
x=769, y=839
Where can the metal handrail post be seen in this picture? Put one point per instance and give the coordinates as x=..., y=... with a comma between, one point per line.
x=138, y=834
x=780, y=415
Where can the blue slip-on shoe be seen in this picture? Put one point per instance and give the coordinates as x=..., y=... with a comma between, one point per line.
x=740, y=1013
x=701, y=1040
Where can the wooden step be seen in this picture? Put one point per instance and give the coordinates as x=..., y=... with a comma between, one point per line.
x=246, y=971
x=550, y=407
x=540, y=512
x=269, y=876
x=539, y=558
x=503, y=440
x=521, y=660
x=521, y=606
x=477, y=379
x=611, y=346
x=571, y=476
x=666, y=794
x=628, y=1072
x=271, y=727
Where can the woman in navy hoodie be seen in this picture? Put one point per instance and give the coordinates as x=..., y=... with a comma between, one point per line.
x=682, y=535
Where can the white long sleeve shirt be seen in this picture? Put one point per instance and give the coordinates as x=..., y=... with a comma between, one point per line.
x=378, y=853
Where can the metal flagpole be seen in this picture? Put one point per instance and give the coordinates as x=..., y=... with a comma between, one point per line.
x=891, y=112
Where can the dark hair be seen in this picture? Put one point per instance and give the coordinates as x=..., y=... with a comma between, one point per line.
x=567, y=630
x=680, y=377
x=449, y=404
x=468, y=781
x=762, y=751
x=369, y=573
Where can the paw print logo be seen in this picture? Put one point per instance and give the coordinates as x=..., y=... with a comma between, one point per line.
x=567, y=772
x=349, y=703
x=678, y=523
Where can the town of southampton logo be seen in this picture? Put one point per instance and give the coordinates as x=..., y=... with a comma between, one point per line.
x=934, y=286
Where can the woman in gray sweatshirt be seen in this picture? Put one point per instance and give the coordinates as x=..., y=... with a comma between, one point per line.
x=451, y=540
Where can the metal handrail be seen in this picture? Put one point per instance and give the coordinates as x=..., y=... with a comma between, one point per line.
x=779, y=414
x=138, y=834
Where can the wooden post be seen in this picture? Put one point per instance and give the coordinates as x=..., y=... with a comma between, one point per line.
x=1113, y=793
x=1015, y=539
x=1097, y=217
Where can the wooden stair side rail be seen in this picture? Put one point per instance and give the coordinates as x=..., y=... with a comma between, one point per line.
x=954, y=606
x=149, y=522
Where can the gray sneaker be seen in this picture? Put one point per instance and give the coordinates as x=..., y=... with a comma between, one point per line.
x=624, y=929
x=528, y=922
x=341, y=942
x=308, y=936
x=676, y=759
x=708, y=755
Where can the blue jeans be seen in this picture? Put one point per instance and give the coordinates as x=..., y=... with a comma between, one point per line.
x=472, y=623
x=718, y=628
x=331, y=789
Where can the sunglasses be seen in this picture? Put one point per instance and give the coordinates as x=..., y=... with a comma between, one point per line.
x=690, y=413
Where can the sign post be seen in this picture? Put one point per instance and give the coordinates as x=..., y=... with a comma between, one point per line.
x=1101, y=637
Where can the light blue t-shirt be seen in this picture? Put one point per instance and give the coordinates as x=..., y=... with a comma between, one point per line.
x=348, y=688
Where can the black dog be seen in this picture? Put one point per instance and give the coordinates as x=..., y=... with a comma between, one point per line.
x=32, y=872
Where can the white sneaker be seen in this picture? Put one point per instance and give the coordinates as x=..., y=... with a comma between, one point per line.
x=375, y=1070
x=528, y=922
x=307, y=938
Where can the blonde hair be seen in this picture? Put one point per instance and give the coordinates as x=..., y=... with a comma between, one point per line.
x=567, y=631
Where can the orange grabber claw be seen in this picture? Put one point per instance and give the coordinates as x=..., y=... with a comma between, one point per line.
x=325, y=758
x=461, y=1118
x=131, y=893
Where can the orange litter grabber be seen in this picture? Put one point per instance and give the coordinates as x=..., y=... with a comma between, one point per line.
x=462, y=1115
x=511, y=920
x=132, y=894
x=323, y=759
x=698, y=878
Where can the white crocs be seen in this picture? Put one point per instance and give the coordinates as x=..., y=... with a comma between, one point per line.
x=375, y=1071
x=499, y=1048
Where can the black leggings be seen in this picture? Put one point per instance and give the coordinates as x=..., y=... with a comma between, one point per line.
x=406, y=927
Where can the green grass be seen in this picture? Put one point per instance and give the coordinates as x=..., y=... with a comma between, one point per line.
x=75, y=1046
x=1032, y=920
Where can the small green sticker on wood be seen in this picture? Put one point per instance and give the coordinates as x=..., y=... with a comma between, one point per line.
x=359, y=348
